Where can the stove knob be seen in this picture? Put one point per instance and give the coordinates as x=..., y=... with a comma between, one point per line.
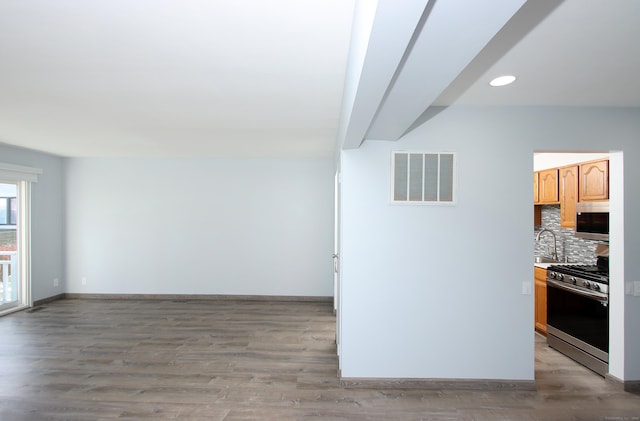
x=586, y=284
x=595, y=286
x=552, y=275
x=573, y=280
x=560, y=277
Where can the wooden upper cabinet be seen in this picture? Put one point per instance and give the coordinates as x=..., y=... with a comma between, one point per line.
x=548, y=186
x=594, y=180
x=536, y=196
x=568, y=183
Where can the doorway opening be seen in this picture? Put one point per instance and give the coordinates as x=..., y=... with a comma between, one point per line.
x=578, y=178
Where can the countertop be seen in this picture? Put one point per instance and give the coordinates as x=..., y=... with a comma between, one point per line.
x=546, y=265
x=543, y=265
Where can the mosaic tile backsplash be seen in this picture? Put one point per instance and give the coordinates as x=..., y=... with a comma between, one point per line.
x=577, y=250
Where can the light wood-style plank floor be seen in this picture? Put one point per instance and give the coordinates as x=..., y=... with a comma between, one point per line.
x=234, y=360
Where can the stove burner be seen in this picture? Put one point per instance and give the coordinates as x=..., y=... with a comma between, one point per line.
x=593, y=269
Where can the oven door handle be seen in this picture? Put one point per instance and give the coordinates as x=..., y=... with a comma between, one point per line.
x=593, y=295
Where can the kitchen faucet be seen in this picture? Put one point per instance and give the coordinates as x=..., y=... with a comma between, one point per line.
x=554, y=256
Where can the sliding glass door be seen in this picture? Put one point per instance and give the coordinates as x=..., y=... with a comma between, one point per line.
x=15, y=235
x=10, y=285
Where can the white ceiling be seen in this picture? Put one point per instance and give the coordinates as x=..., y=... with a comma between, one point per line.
x=584, y=53
x=173, y=77
x=276, y=78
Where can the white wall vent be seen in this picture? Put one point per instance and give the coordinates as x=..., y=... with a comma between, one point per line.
x=423, y=177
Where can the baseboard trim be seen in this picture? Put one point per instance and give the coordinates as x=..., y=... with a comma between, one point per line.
x=47, y=300
x=437, y=384
x=632, y=386
x=195, y=297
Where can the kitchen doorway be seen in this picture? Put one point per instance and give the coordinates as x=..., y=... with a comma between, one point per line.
x=565, y=247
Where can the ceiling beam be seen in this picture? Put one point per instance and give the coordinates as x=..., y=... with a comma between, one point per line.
x=382, y=31
x=453, y=33
x=403, y=55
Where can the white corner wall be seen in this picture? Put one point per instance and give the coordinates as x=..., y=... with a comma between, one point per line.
x=422, y=296
x=436, y=291
x=200, y=226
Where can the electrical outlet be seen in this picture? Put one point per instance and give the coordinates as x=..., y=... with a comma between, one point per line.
x=56, y=282
x=526, y=288
x=84, y=281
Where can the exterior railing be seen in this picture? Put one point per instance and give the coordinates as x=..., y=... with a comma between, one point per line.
x=8, y=269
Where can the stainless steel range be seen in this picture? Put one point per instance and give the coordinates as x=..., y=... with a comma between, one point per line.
x=578, y=313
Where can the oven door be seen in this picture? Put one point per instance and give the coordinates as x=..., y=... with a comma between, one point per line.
x=579, y=317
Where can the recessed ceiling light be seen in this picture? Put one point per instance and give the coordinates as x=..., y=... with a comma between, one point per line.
x=502, y=80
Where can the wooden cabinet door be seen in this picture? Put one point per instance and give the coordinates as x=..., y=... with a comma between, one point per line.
x=541, y=307
x=594, y=180
x=548, y=186
x=540, y=297
x=568, y=183
x=536, y=196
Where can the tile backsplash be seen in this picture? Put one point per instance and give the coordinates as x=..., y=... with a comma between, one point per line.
x=577, y=250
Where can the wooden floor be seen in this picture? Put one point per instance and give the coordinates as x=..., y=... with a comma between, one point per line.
x=235, y=360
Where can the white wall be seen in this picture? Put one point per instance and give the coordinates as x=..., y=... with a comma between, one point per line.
x=436, y=292
x=200, y=226
x=47, y=219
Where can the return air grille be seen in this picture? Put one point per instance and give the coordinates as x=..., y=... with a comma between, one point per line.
x=423, y=177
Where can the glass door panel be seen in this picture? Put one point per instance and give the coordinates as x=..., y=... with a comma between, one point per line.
x=9, y=226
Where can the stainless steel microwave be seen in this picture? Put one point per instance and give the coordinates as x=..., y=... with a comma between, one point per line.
x=592, y=220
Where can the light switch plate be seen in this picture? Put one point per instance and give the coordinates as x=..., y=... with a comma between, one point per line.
x=636, y=288
x=526, y=288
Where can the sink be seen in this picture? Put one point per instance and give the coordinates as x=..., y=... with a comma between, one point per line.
x=544, y=259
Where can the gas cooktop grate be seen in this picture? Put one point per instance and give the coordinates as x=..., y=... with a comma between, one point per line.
x=590, y=272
